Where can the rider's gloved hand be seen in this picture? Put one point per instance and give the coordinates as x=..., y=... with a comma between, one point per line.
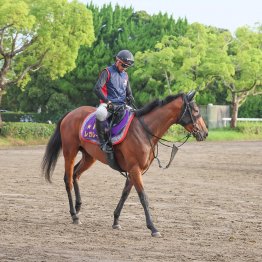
x=130, y=99
x=110, y=105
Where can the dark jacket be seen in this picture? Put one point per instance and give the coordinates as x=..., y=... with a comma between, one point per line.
x=113, y=86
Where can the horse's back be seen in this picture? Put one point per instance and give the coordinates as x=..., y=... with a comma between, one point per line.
x=72, y=122
x=79, y=114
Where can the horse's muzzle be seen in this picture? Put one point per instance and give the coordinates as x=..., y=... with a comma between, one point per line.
x=200, y=135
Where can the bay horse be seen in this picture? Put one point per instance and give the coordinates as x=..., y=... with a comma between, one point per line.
x=134, y=155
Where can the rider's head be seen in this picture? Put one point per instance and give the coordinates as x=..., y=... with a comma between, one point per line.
x=125, y=58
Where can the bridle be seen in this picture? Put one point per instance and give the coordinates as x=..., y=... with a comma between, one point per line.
x=185, y=119
x=187, y=116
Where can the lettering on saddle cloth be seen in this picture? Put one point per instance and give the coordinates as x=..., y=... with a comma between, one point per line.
x=118, y=132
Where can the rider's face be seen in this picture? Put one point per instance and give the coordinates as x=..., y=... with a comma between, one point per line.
x=121, y=65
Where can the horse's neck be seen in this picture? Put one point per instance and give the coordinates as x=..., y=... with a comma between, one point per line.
x=160, y=120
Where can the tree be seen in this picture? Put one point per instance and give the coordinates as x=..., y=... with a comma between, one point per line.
x=34, y=35
x=205, y=56
x=246, y=56
x=136, y=31
x=180, y=63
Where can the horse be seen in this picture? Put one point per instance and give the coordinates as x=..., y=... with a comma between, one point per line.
x=134, y=154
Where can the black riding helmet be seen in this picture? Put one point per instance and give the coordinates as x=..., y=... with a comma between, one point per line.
x=126, y=57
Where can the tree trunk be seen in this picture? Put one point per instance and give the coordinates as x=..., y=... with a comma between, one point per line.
x=235, y=105
x=1, y=122
x=168, y=83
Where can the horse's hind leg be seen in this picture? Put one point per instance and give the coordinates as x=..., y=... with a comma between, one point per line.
x=78, y=202
x=125, y=193
x=79, y=168
x=70, y=200
x=69, y=156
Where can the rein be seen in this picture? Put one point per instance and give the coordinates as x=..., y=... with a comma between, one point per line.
x=182, y=122
x=174, y=147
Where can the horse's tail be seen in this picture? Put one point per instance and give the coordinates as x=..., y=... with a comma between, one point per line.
x=52, y=152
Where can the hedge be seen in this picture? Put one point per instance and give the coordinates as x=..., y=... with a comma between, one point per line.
x=27, y=130
x=249, y=127
x=28, y=117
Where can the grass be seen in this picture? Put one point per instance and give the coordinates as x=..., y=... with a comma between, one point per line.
x=232, y=135
x=20, y=134
x=244, y=132
x=175, y=133
x=10, y=141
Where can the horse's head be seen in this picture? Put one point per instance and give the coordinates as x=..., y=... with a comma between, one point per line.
x=191, y=119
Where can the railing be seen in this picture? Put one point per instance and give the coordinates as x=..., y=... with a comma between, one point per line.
x=226, y=119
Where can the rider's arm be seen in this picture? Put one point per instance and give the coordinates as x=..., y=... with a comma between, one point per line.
x=129, y=96
x=99, y=85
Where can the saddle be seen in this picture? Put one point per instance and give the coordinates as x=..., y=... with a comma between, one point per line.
x=117, y=131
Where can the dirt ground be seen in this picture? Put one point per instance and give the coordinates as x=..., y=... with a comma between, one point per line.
x=207, y=206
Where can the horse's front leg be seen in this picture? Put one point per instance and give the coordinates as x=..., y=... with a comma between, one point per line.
x=125, y=193
x=138, y=183
x=144, y=201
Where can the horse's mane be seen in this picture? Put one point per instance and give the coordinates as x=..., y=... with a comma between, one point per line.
x=154, y=104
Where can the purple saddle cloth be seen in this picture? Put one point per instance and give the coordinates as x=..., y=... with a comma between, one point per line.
x=118, y=133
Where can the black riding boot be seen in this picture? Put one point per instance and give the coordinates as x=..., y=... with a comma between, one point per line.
x=102, y=136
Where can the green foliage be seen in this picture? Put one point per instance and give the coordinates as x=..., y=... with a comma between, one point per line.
x=43, y=35
x=29, y=117
x=249, y=128
x=176, y=132
x=115, y=28
x=228, y=134
x=252, y=107
x=53, y=98
x=170, y=56
x=27, y=130
x=205, y=98
x=227, y=69
x=246, y=56
x=58, y=104
x=183, y=62
x=12, y=116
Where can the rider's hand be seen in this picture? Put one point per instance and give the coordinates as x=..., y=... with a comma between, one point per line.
x=130, y=99
x=110, y=105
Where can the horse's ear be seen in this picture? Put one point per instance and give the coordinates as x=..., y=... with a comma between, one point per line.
x=191, y=95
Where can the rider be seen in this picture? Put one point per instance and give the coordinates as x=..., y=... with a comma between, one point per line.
x=113, y=90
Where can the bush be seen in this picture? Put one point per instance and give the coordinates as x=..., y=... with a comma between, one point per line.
x=27, y=130
x=176, y=132
x=251, y=108
x=249, y=127
x=11, y=116
x=29, y=117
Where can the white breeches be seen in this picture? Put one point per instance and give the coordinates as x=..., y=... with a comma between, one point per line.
x=101, y=113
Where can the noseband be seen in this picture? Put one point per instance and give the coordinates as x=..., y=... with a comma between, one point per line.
x=188, y=118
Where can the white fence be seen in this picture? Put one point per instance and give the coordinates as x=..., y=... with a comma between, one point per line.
x=213, y=115
x=218, y=116
x=228, y=119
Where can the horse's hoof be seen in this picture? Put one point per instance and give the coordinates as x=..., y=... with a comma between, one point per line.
x=117, y=227
x=77, y=222
x=156, y=234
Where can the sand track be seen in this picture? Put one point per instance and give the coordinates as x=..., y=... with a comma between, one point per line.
x=207, y=206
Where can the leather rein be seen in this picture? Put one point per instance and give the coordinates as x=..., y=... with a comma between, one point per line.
x=183, y=122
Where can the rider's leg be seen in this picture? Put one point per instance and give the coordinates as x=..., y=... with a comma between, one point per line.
x=101, y=125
